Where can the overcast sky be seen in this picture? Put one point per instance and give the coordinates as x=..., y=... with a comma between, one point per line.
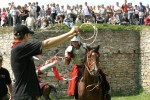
x=4, y=3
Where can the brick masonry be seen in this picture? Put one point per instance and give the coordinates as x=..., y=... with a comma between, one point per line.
x=124, y=57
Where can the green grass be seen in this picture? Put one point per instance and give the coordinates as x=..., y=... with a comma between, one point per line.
x=112, y=27
x=89, y=28
x=142, y=96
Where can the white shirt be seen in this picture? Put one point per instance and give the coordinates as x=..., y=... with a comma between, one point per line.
x=30, y=21
x=86, y=10
x=118, y=9
x=68, y=11
x=102, y=11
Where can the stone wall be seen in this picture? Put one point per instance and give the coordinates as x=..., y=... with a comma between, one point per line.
x=122, y=58
x=145, y=59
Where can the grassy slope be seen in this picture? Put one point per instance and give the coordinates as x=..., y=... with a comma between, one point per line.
x=142, y=96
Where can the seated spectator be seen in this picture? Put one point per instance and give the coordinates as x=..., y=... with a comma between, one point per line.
x=30, y=22
x=125, y=21
x=68, y=21
x=147, y=20
x=44, y=22
x=99, y=19
x=59, y=19
x=39, y=21
x=78, y=19
x=114, y=19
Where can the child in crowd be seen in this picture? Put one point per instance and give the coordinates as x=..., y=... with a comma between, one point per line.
x=78, y=19
x=68, y=21
x=114, y=19
x=30, y=22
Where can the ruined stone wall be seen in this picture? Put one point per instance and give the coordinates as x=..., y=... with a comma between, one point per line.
x=120, y=58
x=145, y=59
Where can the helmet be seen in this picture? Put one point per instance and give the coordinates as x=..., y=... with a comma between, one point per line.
x=75, y=38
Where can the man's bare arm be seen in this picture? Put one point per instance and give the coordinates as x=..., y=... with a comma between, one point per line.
x=53, y=41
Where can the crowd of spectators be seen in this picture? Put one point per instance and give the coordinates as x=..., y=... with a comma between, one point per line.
x=34, y=15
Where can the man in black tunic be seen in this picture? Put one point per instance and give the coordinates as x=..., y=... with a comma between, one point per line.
x=26, y=85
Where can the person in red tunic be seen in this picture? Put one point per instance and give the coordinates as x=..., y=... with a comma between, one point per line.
x=75, y=52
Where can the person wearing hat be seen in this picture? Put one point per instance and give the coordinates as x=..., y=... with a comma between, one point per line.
x=26, y=85
x=5, y=82
x=75, y=52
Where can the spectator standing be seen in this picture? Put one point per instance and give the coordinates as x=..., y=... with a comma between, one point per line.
x=19, y=15
x=142, y=11
x=53, y=13
x=25, y=13
x=14, y=12
x=9, y=17
x=108, y=12
x=62, y=11
x=30, y=22
x=34, y=7
x=38, y=9
x=3, y=17
x=147, y=10
x=43, y=11
x=103, y=13
x=48, y=12
x=86, y=12
x=130, y=13
x=125, y=9
x=118, y=10
x=136, y=15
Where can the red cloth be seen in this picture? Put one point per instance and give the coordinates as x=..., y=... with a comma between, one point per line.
x=125, y=9
x=72, y=82
x=56, y=74
x=147, y=21
x=15, y=42
x=39, y=71
x=55, y=71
